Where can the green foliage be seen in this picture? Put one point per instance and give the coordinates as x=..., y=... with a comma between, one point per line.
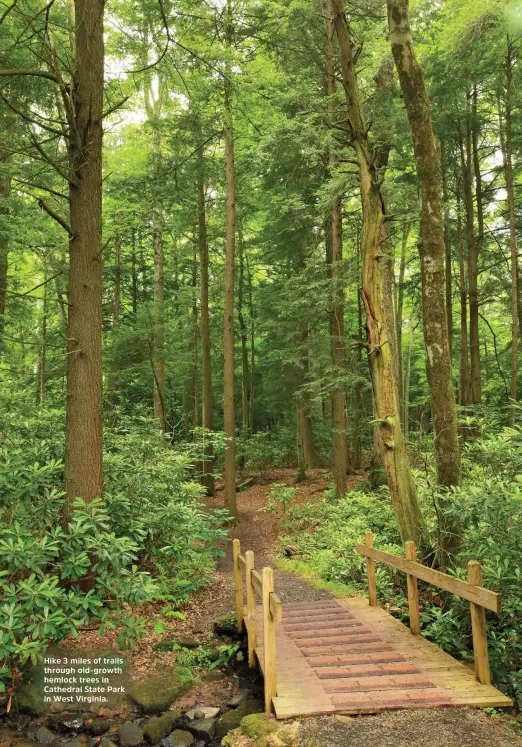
x=205, y=658
x=280, y=497
x=149, y=539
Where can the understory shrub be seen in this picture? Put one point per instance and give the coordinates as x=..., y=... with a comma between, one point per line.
x=150, y=538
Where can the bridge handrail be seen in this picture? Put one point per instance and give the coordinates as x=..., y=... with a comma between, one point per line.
x=472, y=590
x=262, y=585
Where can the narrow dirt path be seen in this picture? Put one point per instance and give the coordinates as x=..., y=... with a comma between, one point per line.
x=258, y=530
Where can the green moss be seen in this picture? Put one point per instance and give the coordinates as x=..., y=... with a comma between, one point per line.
x=159, y=727
x=156, y=694
x=29, y=699
x=258, y=726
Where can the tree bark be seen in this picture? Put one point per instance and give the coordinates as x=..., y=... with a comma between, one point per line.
x=432, y=252
x=474, y=338
x=116, y=306
x=382, y=367
x=447, y=252
x=464, y=377
x=399, y=313
x=507, y=150
x=334, y=260
x=207, y=467
x=84, y=449
x=42, y=354
x=5, y=191
x=228, y=327
x=244, y=339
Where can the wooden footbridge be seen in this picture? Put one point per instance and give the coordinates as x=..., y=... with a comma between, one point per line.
x=348, y=656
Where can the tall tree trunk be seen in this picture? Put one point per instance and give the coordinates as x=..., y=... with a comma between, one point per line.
x=207, y=467
x=42, y=354
x=5, y=191
x=464, y=377
x=228, y=327
x=158, y=325
x=447, y=253
x=382, y=367
x=334, y=259
x=399, y=313
x=244, y=338
x=507, y=150
x=432, y=254
x=406, y=385
x=134, y=278
x=472, y=243
x=84, y=449
x=357, y=415
x=116, y=306
x=252, y=347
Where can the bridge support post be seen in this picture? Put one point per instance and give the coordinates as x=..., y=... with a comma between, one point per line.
x=478, y=626
x=413, y=591
x=251, y=622
x=269, y=641
x=370, y=567
x=238, y=584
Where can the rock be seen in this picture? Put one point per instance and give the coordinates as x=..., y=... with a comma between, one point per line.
x=107, y=743
x=160, y=726
x=203, y=712
x=106, y=713
x=156, y=694
x=178, y=738
x=213, y=675
x=130, y=734
x=44, y=736
x=231, y=719
x=29, y=699
x=239, y=698
x=343, y=719
x=97, y=727
x=258, y=726
x=188, y=643
x=225, y=625
x=72, y=743
x=19, y=721
x=203, y=728
x=66, y=723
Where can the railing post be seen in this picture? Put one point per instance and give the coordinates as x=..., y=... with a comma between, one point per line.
x=413, y=591
x=478, y=626
x=251, y=609
x=269, y=641
x=370, y=567
x=238, y=583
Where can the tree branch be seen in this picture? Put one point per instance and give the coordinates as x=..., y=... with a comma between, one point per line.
x=55, y=216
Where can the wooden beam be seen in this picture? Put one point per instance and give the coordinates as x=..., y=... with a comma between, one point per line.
x=251, y=609
x=238, y=584
x=242, y=563
x=370, y=570
x=276, y=607
x=257, y=582
x=413, y=591
x=476, y=594
x=478, y=626
x=269, y=641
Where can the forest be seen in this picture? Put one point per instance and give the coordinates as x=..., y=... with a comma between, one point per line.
x=257, y=242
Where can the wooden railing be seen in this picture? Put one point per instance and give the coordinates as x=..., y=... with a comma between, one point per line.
x=262, y=585
x=481, y=599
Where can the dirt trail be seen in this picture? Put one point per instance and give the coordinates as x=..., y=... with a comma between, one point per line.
x=258, y=530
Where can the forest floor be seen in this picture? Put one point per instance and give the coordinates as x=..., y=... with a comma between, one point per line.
x=259, y=530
